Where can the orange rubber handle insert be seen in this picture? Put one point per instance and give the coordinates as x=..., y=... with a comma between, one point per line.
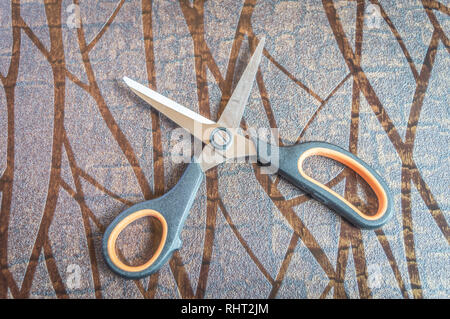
x=355, y=166
x=121, y=226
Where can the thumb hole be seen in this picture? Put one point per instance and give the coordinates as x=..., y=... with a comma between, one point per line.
x=139, y=241
x=116, y=255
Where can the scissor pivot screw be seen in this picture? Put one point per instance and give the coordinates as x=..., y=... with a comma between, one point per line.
x=220, y=138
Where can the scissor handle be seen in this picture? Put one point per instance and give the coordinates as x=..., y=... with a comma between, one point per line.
x=291, y=159
x=170, y=210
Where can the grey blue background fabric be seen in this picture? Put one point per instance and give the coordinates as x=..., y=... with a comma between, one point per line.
x=77, y=147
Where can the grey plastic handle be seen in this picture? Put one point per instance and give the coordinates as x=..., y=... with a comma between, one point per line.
x=289, y=162
x=174, y=206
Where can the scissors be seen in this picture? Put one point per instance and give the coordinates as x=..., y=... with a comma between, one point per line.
x=223, y=142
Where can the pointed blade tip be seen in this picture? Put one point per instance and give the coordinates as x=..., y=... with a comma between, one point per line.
x=132, y=84
x=262, y=41
x=127, y=80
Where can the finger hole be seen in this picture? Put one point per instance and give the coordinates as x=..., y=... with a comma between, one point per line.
x=138, y=241
x=132, y=252
x=332, y=174
x=355, y=168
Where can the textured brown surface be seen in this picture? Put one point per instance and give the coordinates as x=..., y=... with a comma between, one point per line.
x=76, y=147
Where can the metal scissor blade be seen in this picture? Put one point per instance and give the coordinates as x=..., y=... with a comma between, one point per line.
x=193, y=122
x=232, y=114
x=241, y=148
